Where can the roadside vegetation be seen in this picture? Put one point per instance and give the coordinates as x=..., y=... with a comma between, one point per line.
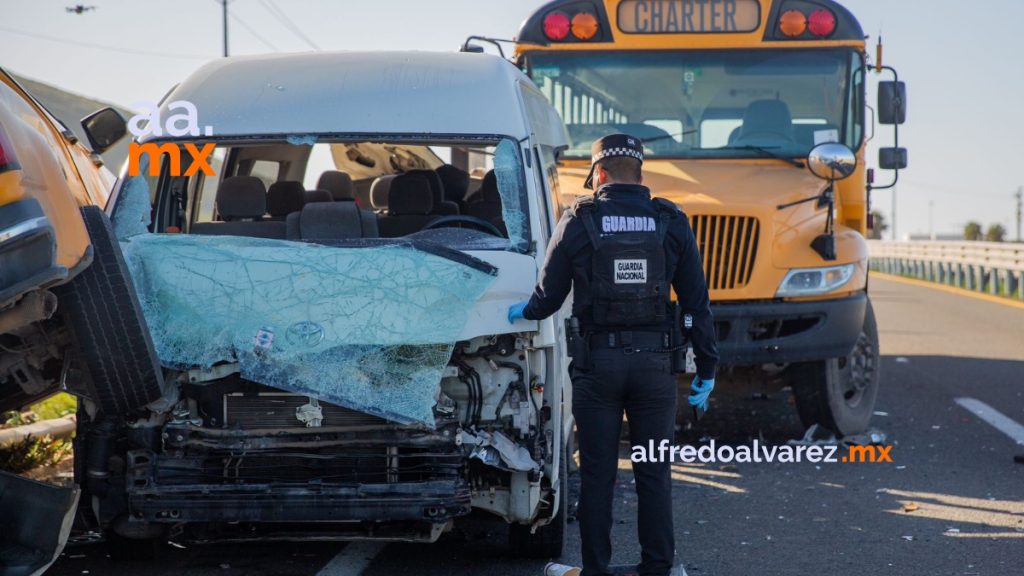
x=32, y=452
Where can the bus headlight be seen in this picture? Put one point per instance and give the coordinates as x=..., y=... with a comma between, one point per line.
x=814, y=281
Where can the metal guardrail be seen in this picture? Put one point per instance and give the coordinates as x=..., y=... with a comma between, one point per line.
x=991, y=267
x=58, y=428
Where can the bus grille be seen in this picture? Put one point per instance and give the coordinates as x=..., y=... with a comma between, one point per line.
x=728, y=246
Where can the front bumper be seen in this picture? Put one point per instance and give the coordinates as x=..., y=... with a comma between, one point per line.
x=781, y=332
x=387, y=474
x=28, y=248
x=434, y=502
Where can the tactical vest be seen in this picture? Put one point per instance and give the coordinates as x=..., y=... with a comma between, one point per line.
x=629, y=283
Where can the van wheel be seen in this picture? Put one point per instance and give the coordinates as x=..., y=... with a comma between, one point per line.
x=103, y=314
x=547, y=541
x=839, y=393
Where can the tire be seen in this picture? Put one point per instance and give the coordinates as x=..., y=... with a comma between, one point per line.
x=102, y=312
x=548, y=541
x=840, y=393
x=123, y=549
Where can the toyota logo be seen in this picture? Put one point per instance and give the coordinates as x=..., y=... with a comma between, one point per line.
x=306, y=334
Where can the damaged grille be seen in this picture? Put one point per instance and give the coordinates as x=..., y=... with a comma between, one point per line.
x=278, y=410
x=728, y=247
x=350, y=465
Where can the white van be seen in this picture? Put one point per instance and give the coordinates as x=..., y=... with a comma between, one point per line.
x=329, y=309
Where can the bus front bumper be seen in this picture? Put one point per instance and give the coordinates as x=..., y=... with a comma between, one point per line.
x=757, y=333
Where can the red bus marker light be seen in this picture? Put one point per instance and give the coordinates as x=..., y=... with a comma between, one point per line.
x=821, y=23
x=556, y=26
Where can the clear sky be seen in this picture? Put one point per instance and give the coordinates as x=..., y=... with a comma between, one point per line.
x=961, y=60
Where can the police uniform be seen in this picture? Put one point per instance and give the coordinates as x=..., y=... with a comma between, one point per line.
x=622, y=250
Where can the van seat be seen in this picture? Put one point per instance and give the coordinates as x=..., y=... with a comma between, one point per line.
x=241, y=203
x=285, y=197
x=410, y=206
x=331, y=221
x=338, y=183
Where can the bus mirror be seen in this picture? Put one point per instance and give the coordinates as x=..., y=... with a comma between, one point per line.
x=892, y=102
x=892, y=158
x=832, y=161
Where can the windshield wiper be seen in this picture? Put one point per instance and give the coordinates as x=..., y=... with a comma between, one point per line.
x=768, y=152
x=668, y=136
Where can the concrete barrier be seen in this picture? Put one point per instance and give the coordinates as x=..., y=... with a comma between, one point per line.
x=991, y=267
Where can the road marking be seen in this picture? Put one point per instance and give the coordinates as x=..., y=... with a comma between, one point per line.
x=952, y=289
x=997, y=419
x=352, y=560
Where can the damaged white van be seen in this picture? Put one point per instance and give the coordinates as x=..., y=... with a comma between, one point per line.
x=329, y=309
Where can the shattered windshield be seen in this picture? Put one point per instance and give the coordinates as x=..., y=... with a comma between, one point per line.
x=341, y=289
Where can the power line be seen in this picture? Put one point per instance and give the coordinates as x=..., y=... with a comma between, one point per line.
x=280, y=14
x=103, y=47
x=255, y=34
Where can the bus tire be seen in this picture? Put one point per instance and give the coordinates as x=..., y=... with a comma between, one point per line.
x=839, y=393
x=102, y=312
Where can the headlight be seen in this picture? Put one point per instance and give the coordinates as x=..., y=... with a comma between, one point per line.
x=814, y=281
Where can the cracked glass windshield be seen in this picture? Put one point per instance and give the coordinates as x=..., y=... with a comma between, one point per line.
x=306, y=265
x=736, y=104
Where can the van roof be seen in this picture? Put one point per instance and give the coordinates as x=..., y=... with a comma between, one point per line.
x=363, y=92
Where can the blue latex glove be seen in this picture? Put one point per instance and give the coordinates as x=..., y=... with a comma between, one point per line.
x=700, y=391
x=515, y=311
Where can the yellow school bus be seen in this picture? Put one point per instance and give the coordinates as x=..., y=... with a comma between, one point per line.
x=754, y=118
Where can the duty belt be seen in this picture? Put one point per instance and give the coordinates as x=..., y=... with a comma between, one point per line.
x=631, y=341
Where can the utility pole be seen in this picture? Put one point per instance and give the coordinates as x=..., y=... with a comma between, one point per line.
x=1018, y=196
x=224, y=6
x=931, y=220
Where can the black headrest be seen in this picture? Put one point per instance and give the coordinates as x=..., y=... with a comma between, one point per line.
x=379, y=191
x=241, y=197
x=339, y=184
x=318, y=196
x=489, y=188
x=436, y=187
x=410, y=195
x=285, y=197
x=455, y=182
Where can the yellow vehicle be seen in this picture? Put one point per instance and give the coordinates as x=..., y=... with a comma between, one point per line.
x=751, y=112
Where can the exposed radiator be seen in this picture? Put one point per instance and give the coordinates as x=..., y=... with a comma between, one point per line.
x=278, y=410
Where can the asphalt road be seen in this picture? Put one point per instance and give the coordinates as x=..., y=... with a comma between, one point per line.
x=952, y=470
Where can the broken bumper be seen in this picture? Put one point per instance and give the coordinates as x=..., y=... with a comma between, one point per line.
x=27, y=250
x=782, y=332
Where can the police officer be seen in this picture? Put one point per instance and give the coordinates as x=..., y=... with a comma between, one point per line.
x=622, y=250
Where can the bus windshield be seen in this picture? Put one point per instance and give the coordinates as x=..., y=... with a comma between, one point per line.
x=708, y=104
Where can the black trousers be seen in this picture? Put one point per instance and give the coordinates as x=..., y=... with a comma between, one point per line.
x=642, y=385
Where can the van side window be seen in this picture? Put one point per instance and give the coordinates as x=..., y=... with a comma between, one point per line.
x=204, y=207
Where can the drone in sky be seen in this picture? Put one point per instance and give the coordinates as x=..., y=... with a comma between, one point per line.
x=79, y=9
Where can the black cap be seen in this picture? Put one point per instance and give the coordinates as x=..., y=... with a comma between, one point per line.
x=611, y=146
